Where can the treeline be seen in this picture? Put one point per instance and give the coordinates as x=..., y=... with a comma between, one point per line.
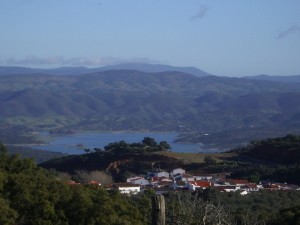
x=280, y=150
x=148, y=144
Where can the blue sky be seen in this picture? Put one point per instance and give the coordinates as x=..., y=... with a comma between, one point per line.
x=222, y=37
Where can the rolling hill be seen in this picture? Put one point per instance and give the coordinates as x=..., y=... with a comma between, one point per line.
x=155, y=101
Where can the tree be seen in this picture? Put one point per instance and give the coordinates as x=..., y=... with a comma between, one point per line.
x=289, y=216
x=8, y=216
x=148, y=141
x=164, y=145
x=184, y=209
x=208, y=160
x=87, y=150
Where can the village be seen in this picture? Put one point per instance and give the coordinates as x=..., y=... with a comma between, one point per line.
x=178, y=180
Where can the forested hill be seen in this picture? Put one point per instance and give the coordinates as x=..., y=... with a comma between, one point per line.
x=135, y=100
x=279, y=150
x=119, y=158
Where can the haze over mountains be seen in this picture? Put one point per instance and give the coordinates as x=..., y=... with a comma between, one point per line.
x=144, y=67
x=160, y=98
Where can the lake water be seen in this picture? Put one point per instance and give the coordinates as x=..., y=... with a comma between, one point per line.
x=67, y=143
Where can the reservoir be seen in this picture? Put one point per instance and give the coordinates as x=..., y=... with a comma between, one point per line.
x=69, y=143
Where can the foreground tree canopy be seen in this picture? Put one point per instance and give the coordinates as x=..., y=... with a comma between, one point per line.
x=31, y=195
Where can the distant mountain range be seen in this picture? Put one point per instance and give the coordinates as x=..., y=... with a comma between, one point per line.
x=143, y=67
x=124, y=99
x=290, y=79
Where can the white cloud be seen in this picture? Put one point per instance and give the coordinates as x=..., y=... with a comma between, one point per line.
x=76, y=61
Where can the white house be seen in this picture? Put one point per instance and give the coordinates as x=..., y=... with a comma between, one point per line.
x=177, y=171
x=187, y=177
x=161, y=174
x=138, y=180
x=127, y=188
x=227, y=188
x=202, y=177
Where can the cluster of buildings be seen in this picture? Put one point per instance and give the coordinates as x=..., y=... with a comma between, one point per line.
x=162, y=182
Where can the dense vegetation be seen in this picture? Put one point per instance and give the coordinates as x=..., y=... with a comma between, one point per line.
x=148, y=144
x=274, y=159
x=31, y=195
x=279, y=150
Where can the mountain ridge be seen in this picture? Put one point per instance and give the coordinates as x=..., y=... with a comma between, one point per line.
x=134, y=100
x=80, y=70
x=287, y=79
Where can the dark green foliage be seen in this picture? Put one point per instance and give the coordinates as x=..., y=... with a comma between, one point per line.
x=288, y=216
x=208, y=160
x=149, y=142
x=264, y=204
x=8, y=215
x=30, y=195
x=280, y=150
x=147, y=145
x=269, y=159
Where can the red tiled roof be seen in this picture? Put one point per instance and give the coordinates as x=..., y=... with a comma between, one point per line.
x=235, y=182
x=275, y=186
x=201, y=183
x=251, y=185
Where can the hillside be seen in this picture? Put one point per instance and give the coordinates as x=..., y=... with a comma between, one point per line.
x=134, y=100
x=278, y=150
x=288, y=79
x=118, y=158
x=117, y=165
